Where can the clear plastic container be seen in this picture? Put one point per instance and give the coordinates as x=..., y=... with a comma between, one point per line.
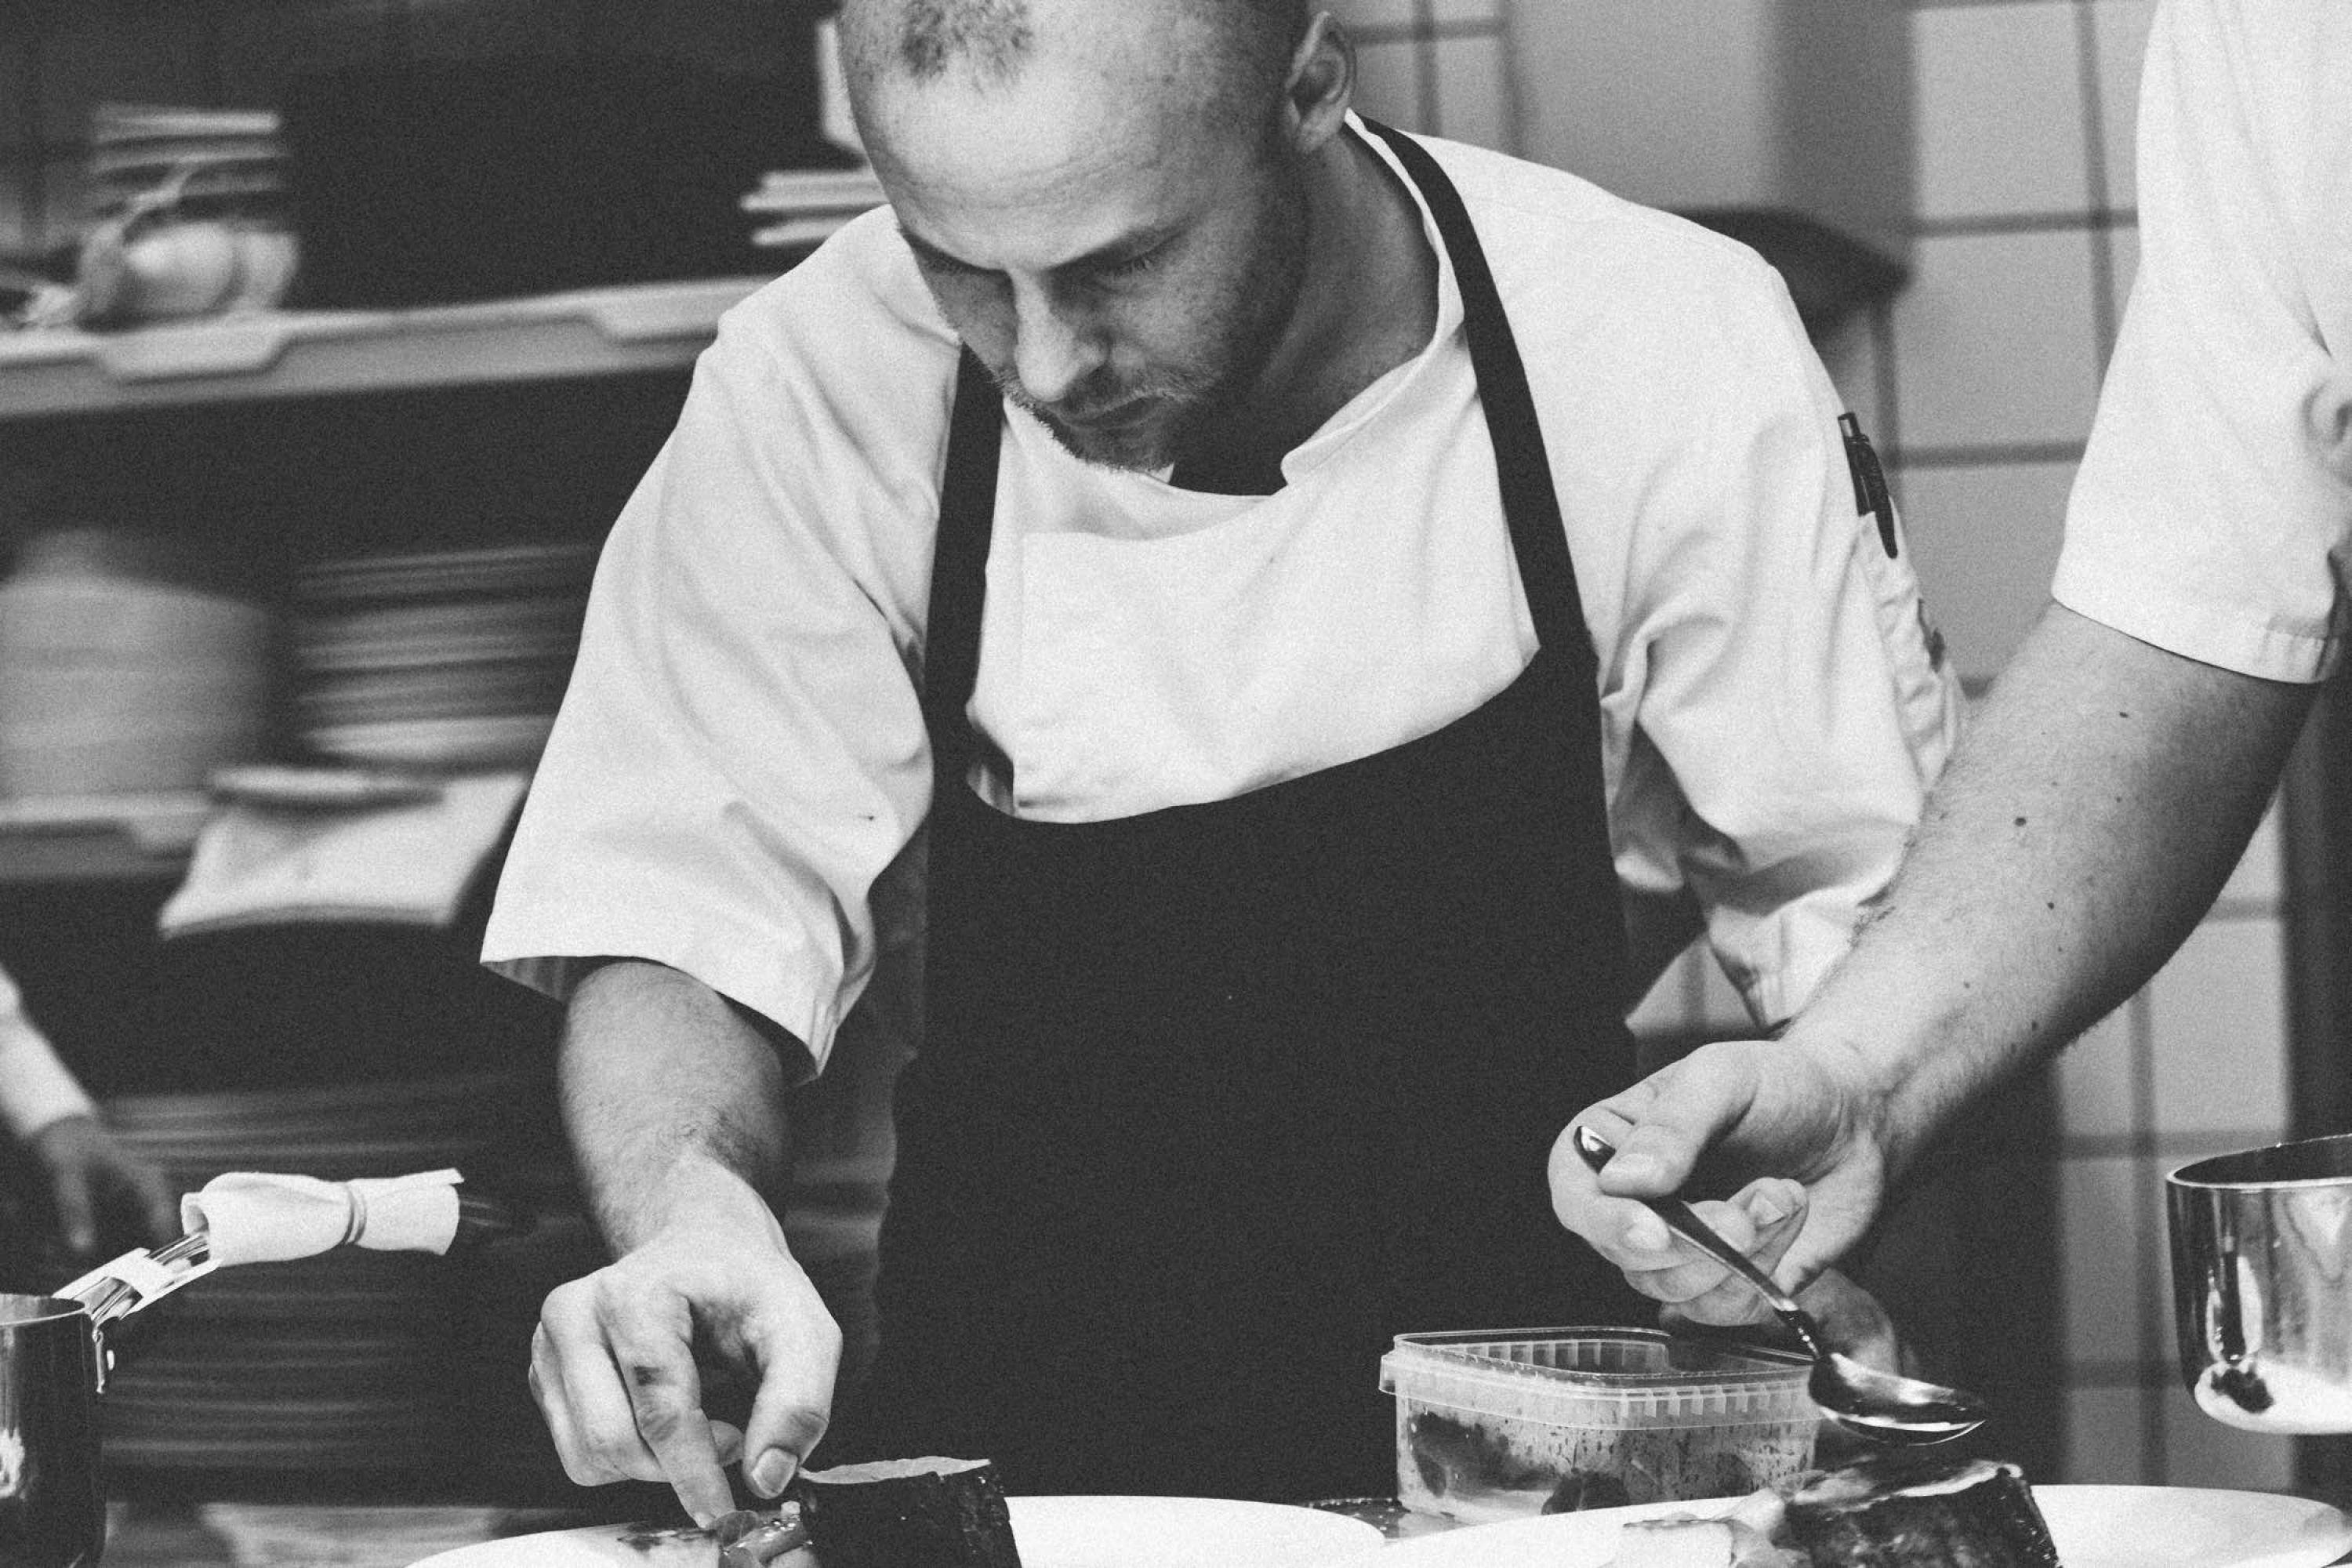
x=1502, y=1423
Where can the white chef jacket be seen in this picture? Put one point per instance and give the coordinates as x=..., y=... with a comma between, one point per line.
x=2212, y=515
x=36, y=1087
x=741, y=754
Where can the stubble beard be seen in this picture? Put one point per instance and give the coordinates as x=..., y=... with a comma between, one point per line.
x=1188, y=399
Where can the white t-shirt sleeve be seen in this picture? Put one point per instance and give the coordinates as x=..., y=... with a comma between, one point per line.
x=1788, y=715
x=2213, y=509
x=36, y=1087
x=740, y=753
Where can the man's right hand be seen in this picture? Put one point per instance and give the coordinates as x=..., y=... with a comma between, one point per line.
x=619, y=1362
x=1800, y=1125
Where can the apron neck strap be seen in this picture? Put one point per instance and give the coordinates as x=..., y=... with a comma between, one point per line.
x=959, y=567
x=1530, y=504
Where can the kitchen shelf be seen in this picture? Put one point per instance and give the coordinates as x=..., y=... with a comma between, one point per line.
x=307, y=353
x=119, y=838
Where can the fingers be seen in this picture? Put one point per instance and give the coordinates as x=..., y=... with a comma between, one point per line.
x=1777, y=1208
x=547, y=1391
x=98, y=1187
x=728, y=1439
x=579, y=1394
x=799, y=1348
x=614, y=1371
x=76, y=1206
x=615, y=1378
x=1622, y=1230
x=1853, y=1320
x=1764, y=1221
x=788, y=1419
x=1744, y=1106
x=1660, y=1127
x=1760, y=1224
x=651, y=1349
x=159, y=1211
x=1674, y=1116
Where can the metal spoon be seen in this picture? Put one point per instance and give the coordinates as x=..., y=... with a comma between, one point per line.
x=1876, y=1405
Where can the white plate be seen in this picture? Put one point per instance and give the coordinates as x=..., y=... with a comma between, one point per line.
x=2094, y=1527
x=1052, y=1532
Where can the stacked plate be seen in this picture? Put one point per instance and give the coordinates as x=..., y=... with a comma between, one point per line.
x=800, y=208
x=114, y=682
x=339, y=1363
x=448, y=659
x=226, y=163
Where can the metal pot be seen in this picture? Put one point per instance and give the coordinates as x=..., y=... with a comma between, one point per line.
x=52, y=1501
x=2261, y=1284
x=53, y=1367
x=54, y=1361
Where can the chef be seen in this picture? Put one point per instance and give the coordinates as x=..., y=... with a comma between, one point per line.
x=2130, y=747
x=1314, y=591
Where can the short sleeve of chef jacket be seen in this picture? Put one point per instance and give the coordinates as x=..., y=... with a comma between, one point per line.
x=2214, y=509
x=36, y=1087
x=739, y=755
x=741, y=760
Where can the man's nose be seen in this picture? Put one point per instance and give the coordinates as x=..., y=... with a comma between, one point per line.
x=1055, y=348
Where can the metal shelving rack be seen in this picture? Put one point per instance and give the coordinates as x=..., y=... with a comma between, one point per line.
x=289, y=355
x=285, y=355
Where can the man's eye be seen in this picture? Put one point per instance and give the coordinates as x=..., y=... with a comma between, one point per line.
x=1135, y=266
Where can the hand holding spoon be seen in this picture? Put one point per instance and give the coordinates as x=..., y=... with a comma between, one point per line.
x=1876, y=1405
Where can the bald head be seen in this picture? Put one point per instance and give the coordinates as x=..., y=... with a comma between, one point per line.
x=1226, y=49
x=1113, y=202
x=990, y=38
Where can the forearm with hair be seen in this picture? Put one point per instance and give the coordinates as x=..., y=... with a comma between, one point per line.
x=668, y=1092
x=2100, y=800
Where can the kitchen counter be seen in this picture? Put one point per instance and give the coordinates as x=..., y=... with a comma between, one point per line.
x=288, y=1535
x=295, y=1535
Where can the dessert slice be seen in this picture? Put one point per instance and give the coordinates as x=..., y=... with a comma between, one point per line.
x=909, y=1513
x=1899, y=1510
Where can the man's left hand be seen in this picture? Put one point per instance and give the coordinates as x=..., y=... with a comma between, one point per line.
x=1797, y=1124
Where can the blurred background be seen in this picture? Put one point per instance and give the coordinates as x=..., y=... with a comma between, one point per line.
x=346, y=325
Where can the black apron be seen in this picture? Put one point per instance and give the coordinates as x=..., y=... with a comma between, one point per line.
x=1215, y=1100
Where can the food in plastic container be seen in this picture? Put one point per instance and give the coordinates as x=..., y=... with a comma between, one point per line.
x=1502, y=1423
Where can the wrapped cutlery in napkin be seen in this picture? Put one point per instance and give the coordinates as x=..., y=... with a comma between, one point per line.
x=255, y=1218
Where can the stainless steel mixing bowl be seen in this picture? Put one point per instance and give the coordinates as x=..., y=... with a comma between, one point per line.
x=2261, y=1284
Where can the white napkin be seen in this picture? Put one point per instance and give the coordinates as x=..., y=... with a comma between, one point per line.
x=255, y=1218
x=408, y=861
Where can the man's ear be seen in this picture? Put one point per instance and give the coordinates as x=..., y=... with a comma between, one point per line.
x=1321, y=84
